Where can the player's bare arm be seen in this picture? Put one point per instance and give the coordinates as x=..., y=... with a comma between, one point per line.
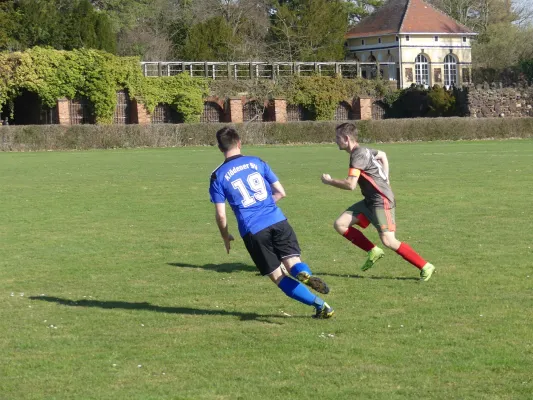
x=222, y=223
x=278, y=192
x=350, y=183
x=381, y=157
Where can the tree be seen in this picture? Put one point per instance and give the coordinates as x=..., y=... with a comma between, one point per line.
x=248, y=19
x=503, y=46
x=359, y=9
x=479, y=14
x=308, y=30
x=39, y=23
x=60, y=24
x=210, y=40
x=504, y=40
x=150, y=36
x=8, y=26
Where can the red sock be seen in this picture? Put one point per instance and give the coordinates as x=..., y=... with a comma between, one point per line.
x=410, y=255
x=356, y=237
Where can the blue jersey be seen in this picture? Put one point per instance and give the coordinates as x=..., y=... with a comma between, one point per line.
x=244, y=181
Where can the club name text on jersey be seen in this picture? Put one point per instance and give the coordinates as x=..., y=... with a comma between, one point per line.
x=239, y=168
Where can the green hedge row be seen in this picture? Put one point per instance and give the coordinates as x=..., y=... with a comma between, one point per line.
x=81, y=137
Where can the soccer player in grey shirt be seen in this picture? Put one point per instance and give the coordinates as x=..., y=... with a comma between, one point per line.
x=370, y=169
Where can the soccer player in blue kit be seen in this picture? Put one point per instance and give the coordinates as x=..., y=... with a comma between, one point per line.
x=252, y=190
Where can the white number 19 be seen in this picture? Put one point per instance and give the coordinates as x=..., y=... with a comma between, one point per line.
x=256, y=183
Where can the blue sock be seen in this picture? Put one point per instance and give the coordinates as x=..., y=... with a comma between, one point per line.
x=295, y=290
x=300, y=267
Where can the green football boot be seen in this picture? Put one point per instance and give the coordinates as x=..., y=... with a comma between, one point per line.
x=373, y=255
x=426, y=272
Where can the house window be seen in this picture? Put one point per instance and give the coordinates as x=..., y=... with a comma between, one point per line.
x=363, y=42
x=379, y=40
x=397, y=39
x=407, y=38
x=464, y=39
x=436, y=38
x=391, y=68
x=450, y=70
x=422, y=70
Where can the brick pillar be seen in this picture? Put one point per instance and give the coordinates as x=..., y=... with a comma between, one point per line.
x=139, y=114
x=235, y=110
x=365, y=104
x=63, y=112
x=280, y=110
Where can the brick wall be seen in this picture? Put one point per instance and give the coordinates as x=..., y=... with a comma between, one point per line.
x=365, y=106
x=139, y=114
x=235, y=109
x=280, y=110
x=63, y=111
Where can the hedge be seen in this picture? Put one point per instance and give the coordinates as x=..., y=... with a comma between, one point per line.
x=82, y=137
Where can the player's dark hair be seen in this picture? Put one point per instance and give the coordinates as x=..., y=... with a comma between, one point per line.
x=227, y=138
x=347, y=129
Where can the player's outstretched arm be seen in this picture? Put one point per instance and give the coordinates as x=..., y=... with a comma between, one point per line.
x=278, y=192
x=222, y=223
x=350, y=183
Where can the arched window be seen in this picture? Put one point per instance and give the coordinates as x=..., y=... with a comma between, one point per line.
x=165, y=114
x=122, y=113
x=212, y=112
x=343, y=112
x=422, y=70
x=391, y=68
x=450, y=70
x=372, y=69
x=81, y=111
x=253, y=111
x=378, y=110
x=297, y=112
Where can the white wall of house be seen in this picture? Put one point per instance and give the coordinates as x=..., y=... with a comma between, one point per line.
x=428, y=59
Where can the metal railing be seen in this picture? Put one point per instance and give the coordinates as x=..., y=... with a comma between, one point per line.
x=261, y=70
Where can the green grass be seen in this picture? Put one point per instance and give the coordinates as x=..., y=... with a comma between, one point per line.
x=111, y=260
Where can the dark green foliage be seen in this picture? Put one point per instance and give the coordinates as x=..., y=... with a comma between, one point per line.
x=527, y=69
x=53, y=23
x=412, y=102
x=441, y=102
x=55, y=137
x=417, y=102
x=8, y=26
x=209, y=41
x=309, y=30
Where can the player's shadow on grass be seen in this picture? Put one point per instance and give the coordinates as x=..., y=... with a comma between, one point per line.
x=227, y=268
x=124, y=305
x=398, y=278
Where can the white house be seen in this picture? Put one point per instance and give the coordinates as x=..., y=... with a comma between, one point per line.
x=410, y=41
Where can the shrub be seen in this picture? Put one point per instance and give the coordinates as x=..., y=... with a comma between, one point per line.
x=441, y=102
x=80, y=137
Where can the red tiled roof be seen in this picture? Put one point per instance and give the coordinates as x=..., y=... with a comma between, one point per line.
x=406, y=16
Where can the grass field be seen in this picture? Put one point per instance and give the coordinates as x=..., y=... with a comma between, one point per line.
x=115, y=283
